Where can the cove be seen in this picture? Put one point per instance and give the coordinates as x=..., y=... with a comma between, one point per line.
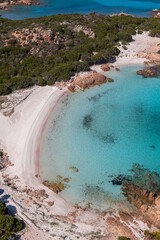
x=103, y=132
x=140, y=8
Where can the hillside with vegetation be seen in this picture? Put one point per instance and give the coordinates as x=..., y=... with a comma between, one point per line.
x=49, y=49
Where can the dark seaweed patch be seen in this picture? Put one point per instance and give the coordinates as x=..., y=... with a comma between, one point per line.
x=109, y=138
x=87, y=121
x=141, y=177
x=95, y=98
x=98, y=96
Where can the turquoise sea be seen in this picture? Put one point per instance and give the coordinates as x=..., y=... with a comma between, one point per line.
x=49, y=7
x=103, y=132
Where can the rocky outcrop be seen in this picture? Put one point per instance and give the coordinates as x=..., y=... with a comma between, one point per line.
x=105, y=67
x=56, y=187
x=147, y=202
x=142, y=189
x=156, y=13
x=150, y=72
x=36, y=35
x=88, y=80
x=119, y=228
x=146, y=73
x=5, y=3
x=155, y=10
x=87, y=31
x=121, y=14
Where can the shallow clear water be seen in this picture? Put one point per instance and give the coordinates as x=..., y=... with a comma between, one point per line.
x=49, y=7
x=102, y=132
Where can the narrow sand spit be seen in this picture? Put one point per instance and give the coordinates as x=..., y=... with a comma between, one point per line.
x=20, y=135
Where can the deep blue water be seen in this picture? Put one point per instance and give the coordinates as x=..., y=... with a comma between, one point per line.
x=49, y=7
x=103, y=131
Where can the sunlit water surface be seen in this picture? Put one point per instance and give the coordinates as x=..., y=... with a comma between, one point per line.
x=49, y=7
x=102, y=132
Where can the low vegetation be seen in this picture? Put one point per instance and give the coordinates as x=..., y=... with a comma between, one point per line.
x=8, y=225
x=123, y=238
x=153, y=235
x=49, y=49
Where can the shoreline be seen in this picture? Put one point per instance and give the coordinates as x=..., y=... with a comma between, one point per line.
x=27, y=124
x=26, y=169
x=142, y=49
x=42, y=129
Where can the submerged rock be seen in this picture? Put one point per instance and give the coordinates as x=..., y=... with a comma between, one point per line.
x=56, y=187
x=74, y=169
x=120, y=179
x=110, y=80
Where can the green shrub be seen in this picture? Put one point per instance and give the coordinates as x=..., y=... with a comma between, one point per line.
x=41, y=82
x=3, y=208
x=72, y=52
x=123, y=36
x=10, y=224
x=123, y=238
x=12, y=41
x=153, y=235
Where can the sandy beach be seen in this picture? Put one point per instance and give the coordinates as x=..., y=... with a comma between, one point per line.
x=20, y=134
x=23, y=129
x=142, y=49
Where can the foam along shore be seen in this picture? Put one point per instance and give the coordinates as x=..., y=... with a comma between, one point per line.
x=21, y=133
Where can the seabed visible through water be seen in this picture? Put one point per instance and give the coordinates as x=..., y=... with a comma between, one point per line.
x=105, y=132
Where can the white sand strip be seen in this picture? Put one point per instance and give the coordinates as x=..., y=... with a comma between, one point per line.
x=20, y=135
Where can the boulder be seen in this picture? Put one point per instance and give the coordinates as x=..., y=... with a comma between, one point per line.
x=71, y=87
x=105, y=67
x=89, y=79
x=146, y=73
x=156, y=10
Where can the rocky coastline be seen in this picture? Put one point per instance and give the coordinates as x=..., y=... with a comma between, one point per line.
x=142, y=189
x=5, y=4
x=109, y=225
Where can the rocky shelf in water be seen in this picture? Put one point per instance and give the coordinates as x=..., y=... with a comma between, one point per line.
x=142, y=189
x=150, y=72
